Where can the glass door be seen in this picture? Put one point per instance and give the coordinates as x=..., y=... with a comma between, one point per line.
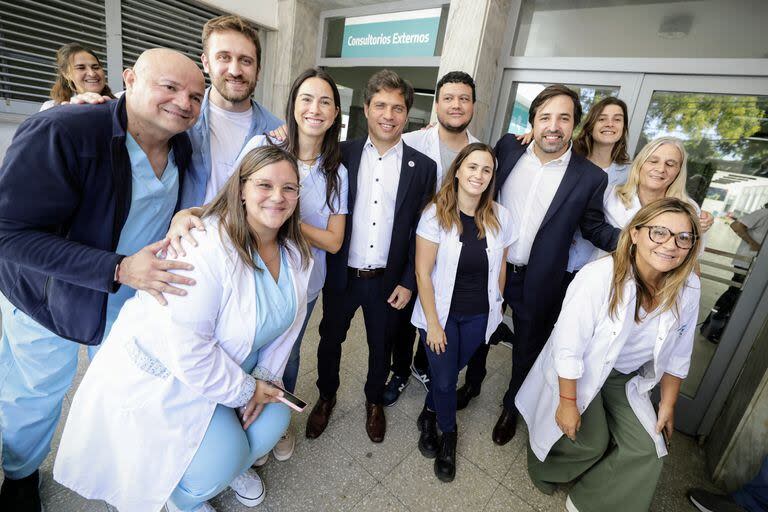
x=520, y=87
x=724, y=125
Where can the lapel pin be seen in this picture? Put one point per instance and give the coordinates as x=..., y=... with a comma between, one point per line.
x=411, y=164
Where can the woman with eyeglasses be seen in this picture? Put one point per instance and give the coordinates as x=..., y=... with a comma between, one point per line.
x=312, y=130
x=627, y=323
x=659, y=170
x=180, y=400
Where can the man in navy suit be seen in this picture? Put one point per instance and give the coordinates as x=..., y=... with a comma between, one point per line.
x=550, y=192
x=389, y=185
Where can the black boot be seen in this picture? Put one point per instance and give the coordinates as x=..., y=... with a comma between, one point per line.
x=466, y=393
x=21, y=495
x=428, y=443
x=445, y=463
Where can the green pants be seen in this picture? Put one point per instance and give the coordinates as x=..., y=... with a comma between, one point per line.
x=613, y=457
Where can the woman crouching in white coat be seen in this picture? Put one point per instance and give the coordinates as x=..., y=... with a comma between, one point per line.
x=178, y=404
x=627, y=323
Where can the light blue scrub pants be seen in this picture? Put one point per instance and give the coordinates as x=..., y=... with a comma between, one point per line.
x=37, y=368
x=227, y=451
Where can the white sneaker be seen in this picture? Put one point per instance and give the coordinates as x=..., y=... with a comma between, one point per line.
x=284, y=447
x=569, y=506
x=261, y=461
x=203, y=507
x=248, y=488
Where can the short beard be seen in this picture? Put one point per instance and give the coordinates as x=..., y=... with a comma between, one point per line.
x=454, y=129
x=229, y=97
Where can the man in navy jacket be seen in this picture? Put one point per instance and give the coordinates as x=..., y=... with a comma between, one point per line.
x=389, y=185
x=550, y=192
x=82, y=188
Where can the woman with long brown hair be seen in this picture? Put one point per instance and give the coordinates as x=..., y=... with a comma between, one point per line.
x=313, y=126
x=627, y=324
x=461, y=247
x=78, y=70
x=187, y=389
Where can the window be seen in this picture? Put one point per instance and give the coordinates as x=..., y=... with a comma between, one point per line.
x=175, y=24
x=642, y=28
x=30, y=34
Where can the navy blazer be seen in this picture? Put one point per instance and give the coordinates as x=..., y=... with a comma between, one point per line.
x=578, y=203
x=66, y=192
x=414, y=191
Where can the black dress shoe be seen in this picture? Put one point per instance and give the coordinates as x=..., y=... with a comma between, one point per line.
x=505, y=427
x=445, y=463
x=21, y=495
x=427, y=424
x=502, y=333
x=466, y=393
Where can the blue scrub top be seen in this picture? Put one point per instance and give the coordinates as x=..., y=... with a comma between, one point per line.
x=153, y=201
x=275, y=306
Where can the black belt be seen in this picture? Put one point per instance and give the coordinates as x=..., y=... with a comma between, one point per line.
x=516, y=269
x=366, y=273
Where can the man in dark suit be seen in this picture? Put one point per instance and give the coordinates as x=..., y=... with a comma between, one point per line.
x=550, y=192
x=389, y=185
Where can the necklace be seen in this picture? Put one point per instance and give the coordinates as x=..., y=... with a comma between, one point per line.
x=310, y=161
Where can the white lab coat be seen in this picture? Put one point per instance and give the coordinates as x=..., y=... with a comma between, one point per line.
x=145, y=403
x=428, y=142
x=584, y=345
x=447, y=261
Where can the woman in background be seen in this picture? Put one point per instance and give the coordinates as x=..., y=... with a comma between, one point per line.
x=78, y=70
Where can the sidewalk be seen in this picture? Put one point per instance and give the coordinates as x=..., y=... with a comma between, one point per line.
x=343, y=470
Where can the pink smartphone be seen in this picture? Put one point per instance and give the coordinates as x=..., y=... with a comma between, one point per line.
x=291, y=400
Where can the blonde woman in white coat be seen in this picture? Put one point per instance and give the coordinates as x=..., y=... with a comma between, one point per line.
x=627, y=324
x=179, y=402
x=659, y=170
x=461, y=247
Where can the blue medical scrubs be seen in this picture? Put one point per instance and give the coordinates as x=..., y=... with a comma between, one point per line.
x=227, y=450
x=36, y=366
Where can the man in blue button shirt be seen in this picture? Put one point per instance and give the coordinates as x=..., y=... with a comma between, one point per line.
x=83, y=187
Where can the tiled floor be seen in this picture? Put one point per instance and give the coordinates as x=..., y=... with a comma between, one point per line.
x=343, y=470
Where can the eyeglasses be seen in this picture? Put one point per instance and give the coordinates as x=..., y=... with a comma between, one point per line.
x=289, y=190
x=660, y=235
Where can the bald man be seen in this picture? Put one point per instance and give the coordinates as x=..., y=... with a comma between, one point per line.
x=87, y=192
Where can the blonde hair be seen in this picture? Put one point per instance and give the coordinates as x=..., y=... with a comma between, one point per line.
x=625, y=260
x=447, y=198
x=228, y=207
x=676, y=189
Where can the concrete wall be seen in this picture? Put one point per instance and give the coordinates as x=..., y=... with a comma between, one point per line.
x=8, y=125
x=262, y=12
x=473, y=39
x=291, y=49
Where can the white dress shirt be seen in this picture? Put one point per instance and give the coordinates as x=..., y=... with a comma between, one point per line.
x=527, y=194
x=374, y=212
